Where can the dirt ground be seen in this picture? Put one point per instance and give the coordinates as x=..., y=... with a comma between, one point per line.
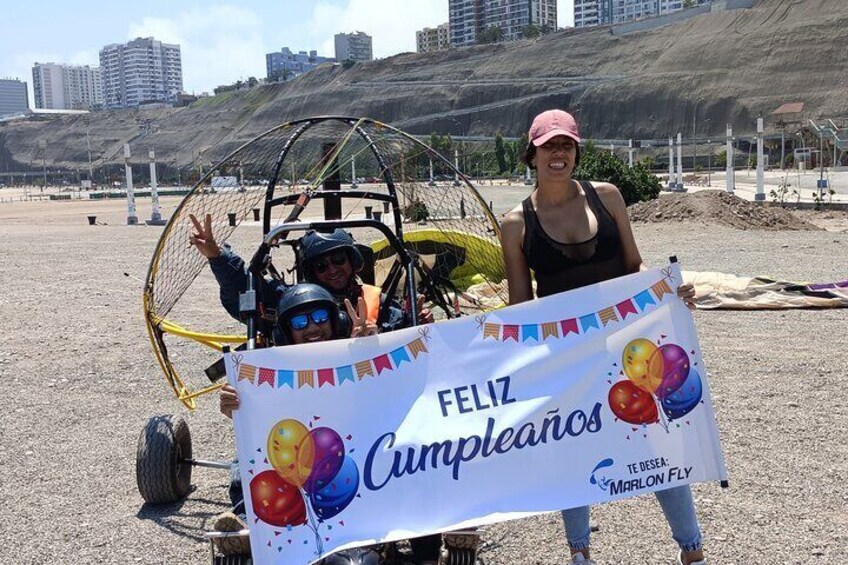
x=81, y=382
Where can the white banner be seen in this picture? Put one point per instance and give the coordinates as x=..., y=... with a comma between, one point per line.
x=579, y=398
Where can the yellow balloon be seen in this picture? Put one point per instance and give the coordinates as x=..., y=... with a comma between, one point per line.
x=636, y=359
x=291, y=451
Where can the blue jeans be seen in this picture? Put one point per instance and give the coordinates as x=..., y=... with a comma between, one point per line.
x=677, y=505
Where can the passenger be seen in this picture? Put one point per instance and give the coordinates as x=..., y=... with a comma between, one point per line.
x=572, y=234
x=308, y=313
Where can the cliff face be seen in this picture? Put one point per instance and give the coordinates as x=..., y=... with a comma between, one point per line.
x=727, y=67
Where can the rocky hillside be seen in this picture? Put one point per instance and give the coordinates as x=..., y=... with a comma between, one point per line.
x=727, y=66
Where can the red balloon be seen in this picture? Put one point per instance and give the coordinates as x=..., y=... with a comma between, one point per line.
x=632, y=404
x=277, y=501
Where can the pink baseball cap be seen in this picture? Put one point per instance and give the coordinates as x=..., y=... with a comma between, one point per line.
x=551, y=124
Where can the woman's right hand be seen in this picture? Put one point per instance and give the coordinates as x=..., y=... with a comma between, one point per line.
x=228, y=400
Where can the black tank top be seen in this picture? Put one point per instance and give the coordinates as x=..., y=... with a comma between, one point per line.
x=564, y=266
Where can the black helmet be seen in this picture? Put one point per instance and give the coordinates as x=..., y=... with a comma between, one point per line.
x=299, y=296
x=315, y=244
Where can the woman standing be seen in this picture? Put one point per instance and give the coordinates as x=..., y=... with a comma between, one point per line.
x=572, y=234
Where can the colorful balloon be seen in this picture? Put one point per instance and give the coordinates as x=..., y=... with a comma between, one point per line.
x=291, y=451
x=684, y=399
x=635, y=358
x=338, y=493
x=329, y=454
x=632, y=404
x=670, y=364
x=276, y=501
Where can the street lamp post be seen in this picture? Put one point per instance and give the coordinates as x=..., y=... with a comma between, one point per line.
x=695, y=145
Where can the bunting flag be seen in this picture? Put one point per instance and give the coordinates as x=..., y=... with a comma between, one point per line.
x=305, y=378
x=607, y=315
x=266, y=376
x=417, y=347
x=626, y=307
x=661, y=288
x=345, y=373
x=285, y=378
x=644, y=299
x=589, y=321
x=382, y=363
x=364, y=368
x=246, y=372
x=529, y=331
x=399, y=355
x=581, y=324
x=569, y=326
x=325, y=376
x=549, y=329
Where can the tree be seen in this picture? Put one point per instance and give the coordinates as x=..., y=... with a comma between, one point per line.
x=492, y=34
x=500, y=153
x=531, y=32
x=252, y=82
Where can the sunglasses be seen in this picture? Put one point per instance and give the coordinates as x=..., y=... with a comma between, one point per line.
x=338, y=259
x=301, y=321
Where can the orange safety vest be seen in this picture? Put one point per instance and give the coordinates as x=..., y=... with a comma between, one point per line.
x=372, y=295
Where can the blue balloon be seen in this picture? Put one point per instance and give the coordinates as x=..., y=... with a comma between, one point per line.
x=683, y=400
x=336, y=495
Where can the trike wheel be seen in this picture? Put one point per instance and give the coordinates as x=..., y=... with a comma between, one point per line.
x=160, y=469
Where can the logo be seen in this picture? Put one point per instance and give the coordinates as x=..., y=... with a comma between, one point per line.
x=602, y=482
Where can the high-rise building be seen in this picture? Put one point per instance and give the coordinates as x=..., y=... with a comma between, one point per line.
x=66, y=87
x=141, y=71
x=513, y=16
x=469, y=18
x=466, y=18
x=354, y=47
x=285, y=65
x=433, y=38
x=602, y=12
x=13, y=97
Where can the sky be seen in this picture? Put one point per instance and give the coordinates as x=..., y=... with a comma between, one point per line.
x=220, y=42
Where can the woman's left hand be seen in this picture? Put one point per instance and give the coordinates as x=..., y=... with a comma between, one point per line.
x=686, y=292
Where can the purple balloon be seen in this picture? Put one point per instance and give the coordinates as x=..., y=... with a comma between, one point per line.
x=329, y=454
x=675, y=368
x=686, y=398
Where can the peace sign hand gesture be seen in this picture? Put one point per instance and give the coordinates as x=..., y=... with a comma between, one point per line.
x=359, y=319
x=203, y=239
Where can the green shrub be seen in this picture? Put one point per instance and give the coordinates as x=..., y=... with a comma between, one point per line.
x=636, y=185
x=416, y=211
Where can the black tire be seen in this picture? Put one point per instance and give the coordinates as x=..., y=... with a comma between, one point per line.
x=232, y=560
x=161, y=475
x=456, y=556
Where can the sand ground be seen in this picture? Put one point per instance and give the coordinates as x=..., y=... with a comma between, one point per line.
x=80, y=382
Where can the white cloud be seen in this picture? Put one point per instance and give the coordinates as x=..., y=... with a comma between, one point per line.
x=219, y=44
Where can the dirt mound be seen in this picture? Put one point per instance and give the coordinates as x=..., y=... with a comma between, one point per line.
x=716, y=206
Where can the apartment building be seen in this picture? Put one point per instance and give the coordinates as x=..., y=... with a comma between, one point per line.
x=285, y=65
x=353, y=47
x=14, y=98
x=66, y=87
x=469, y=18
x=603, y=12
x=433, y=38
x=142, y=71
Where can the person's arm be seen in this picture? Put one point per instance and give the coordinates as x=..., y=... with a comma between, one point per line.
x=227, y=267
x=517, y=271
x=615, y=205
x=228, y=400
x=231, y=274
